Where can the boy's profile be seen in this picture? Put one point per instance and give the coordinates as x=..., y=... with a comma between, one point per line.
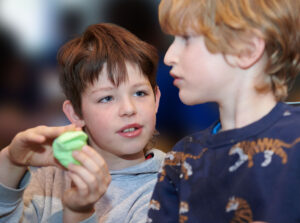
x=109, y=78
x=243, y=55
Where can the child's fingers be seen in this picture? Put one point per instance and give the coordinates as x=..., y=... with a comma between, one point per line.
x=78, y=128
x=94, y=163
x=98, y=167
x=95, y=156
x=81, y=186
x=86, y=176
x=31, y=136
x=86, y=161
x=53, y=132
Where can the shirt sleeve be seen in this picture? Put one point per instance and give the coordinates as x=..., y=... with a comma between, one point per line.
x=11, y=203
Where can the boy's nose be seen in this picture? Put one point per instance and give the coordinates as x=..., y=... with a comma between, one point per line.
x=127, y=107
x=170, y=56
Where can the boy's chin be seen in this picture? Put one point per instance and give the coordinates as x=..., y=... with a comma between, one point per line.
x=187, y=100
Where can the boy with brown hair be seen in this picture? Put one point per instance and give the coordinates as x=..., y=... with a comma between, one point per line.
x=243, y=55
x=109, y=78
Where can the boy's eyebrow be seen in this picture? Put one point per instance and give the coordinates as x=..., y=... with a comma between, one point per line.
x=103, y=89
x=141, y=84
x=112, y=88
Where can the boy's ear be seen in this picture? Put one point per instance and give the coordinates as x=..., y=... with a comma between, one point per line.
x=157, y=98
x=71, y=114
x=251, y=52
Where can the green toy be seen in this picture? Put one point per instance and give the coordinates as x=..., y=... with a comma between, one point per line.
x=66, y=143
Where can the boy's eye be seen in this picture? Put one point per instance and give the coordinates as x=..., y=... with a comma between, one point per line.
x=106, y=99
x=140, y=93
x=186, y=37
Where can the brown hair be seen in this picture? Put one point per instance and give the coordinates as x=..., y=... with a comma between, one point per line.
x=225, y=22
x=82, y=59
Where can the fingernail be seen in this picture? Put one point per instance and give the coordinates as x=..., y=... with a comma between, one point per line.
x=85, y=148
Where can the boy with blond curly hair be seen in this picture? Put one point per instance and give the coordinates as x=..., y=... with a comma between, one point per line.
x=243, y=55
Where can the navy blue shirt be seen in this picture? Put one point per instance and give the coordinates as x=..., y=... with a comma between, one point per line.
x=240, y=175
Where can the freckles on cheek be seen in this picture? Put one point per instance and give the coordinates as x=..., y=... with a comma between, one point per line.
x=152, y=119
x=103, y=119
x=95, y=117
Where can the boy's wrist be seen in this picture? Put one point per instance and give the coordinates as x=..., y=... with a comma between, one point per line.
x=77, y=216
x=6, y=158
x=10, y=173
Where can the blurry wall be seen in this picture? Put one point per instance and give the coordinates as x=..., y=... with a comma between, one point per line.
x=31, y=33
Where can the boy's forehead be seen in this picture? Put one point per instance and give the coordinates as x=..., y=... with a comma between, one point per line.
x=132, y=69
x=134, y=77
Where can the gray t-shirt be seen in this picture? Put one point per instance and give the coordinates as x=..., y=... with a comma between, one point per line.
x=39, y=197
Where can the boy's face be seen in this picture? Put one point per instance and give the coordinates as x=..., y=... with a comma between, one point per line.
x=200, y=75
x=120, y=120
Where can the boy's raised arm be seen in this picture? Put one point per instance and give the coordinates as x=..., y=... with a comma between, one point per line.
x=10, y=173
x=28, y=148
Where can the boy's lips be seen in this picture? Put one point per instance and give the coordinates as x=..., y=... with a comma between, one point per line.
x=176, y=78
x=131, y=131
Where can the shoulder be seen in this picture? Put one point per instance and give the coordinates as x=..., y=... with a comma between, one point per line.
x=187, y=143
x=157, y=154
x=291, y=113
x=156, y=161
x=289, y=120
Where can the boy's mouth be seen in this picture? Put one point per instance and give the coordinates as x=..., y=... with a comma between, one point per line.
x=131, y=130
x=176, y=79
x=173, y=75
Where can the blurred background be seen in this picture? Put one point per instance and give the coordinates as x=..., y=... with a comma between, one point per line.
x=32, y=31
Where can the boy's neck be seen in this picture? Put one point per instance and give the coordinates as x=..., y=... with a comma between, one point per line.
x=118, y=162
x=121, y=162
x=245, y=110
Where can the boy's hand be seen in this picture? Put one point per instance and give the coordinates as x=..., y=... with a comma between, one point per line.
x=28, y=148
x=90, y=181
x=33, y=146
